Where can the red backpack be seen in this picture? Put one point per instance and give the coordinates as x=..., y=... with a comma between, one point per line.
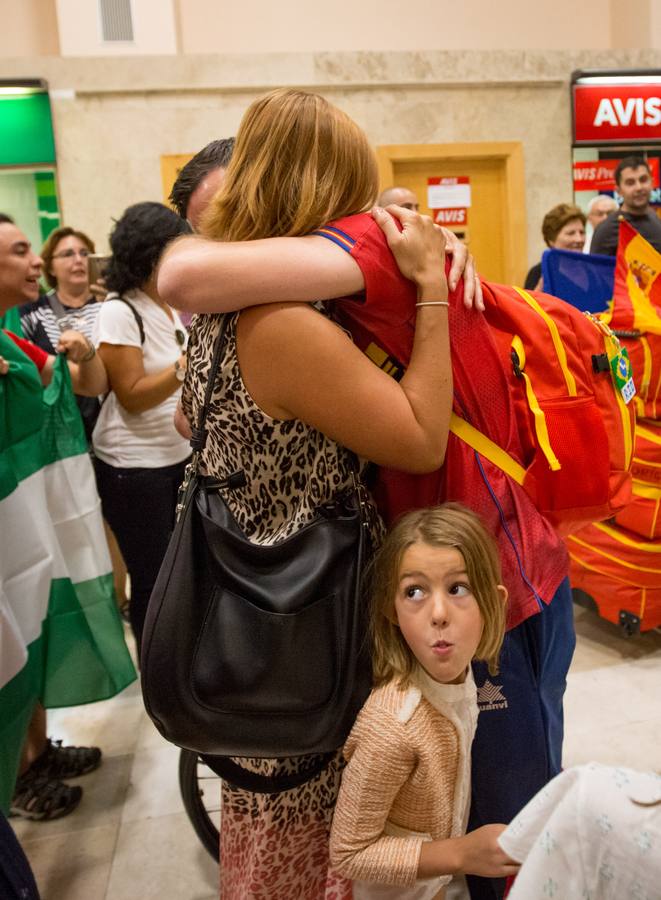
x=541, y=440
x=570, y=385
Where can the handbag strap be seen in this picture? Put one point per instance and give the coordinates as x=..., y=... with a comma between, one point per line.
x=199, y=435
x=237, y=776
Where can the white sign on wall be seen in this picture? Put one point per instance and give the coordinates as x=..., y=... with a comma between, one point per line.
x=449, y=193
x=449, y=199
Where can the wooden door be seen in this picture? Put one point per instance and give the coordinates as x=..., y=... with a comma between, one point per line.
x=496, y=227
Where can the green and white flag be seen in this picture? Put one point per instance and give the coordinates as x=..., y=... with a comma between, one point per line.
x=61, y=637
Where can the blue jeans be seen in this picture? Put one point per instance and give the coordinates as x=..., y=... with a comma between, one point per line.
x=518, y=744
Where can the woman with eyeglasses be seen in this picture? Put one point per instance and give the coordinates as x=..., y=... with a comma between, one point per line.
x=140, y=457
x=68, y=305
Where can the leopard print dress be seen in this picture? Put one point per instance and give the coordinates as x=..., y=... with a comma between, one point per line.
x=273, y=846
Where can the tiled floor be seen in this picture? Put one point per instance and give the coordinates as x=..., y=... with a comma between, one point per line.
x=130, y=838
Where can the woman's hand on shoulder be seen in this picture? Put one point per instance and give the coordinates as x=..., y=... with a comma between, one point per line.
x=406, y=244
x=463, y=266
x=419, y=248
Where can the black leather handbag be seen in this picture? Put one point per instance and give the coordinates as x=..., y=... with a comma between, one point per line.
x=256, y=650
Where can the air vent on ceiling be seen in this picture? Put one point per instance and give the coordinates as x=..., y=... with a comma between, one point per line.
x=116, y=20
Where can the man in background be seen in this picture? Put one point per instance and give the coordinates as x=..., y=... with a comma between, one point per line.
x=634, y=183
x=400, y=196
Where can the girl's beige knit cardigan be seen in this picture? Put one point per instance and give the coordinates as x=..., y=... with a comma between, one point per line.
x=403, y=762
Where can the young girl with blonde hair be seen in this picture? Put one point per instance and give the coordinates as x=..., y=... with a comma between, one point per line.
x=400, y=819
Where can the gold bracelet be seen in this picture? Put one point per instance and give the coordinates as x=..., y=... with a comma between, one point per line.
x=433, y=303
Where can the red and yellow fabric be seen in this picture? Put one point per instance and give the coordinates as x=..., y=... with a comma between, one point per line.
x=636, y=302
x=645, y=354
x=619, y=570
x=643, y=515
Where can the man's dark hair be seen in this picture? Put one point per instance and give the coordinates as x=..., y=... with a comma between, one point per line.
x=630, y=162
x=5, y=219
x=137, y=241
x=215, y=155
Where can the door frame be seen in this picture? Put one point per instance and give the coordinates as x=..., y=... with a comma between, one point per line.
x=515, y=237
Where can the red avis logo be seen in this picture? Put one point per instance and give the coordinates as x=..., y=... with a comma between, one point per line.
x=610, y=113
x=632, y=111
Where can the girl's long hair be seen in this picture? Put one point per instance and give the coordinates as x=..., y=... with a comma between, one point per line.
x=298, y=163
x=450, y=525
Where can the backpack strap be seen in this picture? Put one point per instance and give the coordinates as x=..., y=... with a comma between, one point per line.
x=555, y=337
x=539, y=419
x=56, y=306
x=486, y=448
x=136, y=316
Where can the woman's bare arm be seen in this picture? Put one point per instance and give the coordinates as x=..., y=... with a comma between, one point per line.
x=297, y=364
x=135, y=390
x=200, y=275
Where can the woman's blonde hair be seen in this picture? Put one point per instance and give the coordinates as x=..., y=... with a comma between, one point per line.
x=298, y=162
x=450, y=525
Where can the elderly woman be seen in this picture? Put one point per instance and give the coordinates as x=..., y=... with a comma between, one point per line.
x=563, y=228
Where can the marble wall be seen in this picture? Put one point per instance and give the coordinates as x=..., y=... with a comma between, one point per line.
x=115, y=118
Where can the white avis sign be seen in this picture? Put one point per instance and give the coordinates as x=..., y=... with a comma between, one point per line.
x=449, y=198
x=633, y=110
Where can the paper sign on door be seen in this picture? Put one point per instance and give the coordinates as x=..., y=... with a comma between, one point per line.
x=449, y=198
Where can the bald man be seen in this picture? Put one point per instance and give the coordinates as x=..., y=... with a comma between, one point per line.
x=400, y=196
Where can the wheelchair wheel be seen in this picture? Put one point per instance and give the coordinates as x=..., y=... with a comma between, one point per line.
x=200, y=791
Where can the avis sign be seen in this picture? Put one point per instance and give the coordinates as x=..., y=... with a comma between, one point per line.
x=599, y=174
x=451, y=216
x=613, y=113
x=448, y=198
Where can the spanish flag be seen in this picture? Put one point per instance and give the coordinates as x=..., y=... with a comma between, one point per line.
x=636, y=304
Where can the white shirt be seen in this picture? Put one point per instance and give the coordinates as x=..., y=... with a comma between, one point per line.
x=147, y=439
x=593, y=833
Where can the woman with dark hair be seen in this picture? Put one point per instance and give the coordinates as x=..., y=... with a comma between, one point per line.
x=140, y=458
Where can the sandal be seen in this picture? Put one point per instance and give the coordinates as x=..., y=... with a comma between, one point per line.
x=41, y=798
x=57, y=762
